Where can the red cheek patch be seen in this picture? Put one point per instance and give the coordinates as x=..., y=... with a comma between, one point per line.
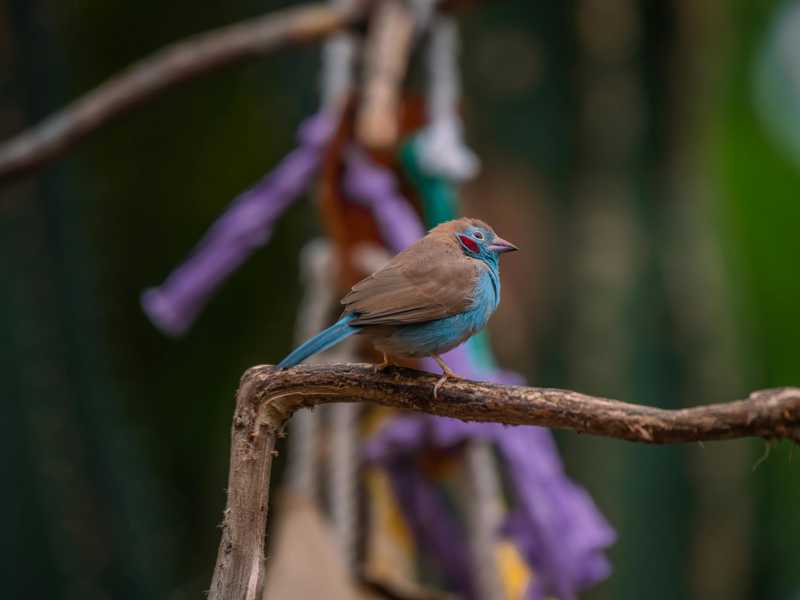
x=469, y=243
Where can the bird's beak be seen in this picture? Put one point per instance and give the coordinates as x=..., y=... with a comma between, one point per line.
x=499, y=245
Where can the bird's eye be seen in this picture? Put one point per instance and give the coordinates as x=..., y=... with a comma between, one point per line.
x=478, y=235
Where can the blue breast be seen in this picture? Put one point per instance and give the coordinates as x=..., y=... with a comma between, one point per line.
x=437, y=337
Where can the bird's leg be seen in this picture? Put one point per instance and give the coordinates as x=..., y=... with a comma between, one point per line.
x=380, y=367
x=447, y=373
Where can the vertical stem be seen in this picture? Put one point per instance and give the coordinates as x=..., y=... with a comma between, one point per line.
x=343, y=479
x=239, y=571
x=385, y=60
x=485, y=518
x=302, y=453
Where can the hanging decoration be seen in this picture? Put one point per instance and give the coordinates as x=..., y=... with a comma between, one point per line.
x=387, y=164
x=245, y=226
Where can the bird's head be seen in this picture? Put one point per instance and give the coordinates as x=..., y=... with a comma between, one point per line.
x=478, y=240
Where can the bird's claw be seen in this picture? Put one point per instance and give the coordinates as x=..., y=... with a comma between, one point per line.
x=447, y=373
x=438, y=384
x=378, y=367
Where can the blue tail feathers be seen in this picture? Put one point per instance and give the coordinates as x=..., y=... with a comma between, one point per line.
x=322, y=341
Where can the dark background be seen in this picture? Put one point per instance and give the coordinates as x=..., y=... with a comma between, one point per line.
x=624, y=148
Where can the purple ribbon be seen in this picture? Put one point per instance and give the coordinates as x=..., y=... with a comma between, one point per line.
x=434, y=527
x=554, y=522
x=245, y=225
x=375, y=187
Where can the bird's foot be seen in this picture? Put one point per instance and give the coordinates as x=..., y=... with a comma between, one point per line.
x=447, y=373
x=377, y=368
x=438, y=384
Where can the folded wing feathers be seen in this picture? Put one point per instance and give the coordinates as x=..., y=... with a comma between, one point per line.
x=430, y=280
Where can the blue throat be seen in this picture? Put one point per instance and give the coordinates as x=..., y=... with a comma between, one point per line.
x=492, y=261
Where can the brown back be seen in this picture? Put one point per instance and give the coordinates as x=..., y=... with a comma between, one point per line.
x=430, y=280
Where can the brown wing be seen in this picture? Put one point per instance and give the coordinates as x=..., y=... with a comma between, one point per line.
x=430, y=280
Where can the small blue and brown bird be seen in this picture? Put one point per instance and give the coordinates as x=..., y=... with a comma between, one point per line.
x=427, y=300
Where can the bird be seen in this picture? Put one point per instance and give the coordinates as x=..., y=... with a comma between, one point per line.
x=428, y=299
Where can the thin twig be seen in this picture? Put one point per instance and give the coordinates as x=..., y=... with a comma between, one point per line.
x=267, y=398
x=179, y=62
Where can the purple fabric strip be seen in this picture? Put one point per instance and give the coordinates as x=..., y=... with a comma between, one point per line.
x=433, y=525
x=553, y=522
x=245, y=225
x=375, y=186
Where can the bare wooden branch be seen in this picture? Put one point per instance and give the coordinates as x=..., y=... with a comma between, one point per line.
x=268, y=397
x=165, y=69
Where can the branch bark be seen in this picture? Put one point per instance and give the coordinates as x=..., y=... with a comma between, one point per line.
x=268, y=397
x=179, y=62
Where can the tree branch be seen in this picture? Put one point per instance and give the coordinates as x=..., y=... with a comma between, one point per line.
x=268, y=397
x=179, y=62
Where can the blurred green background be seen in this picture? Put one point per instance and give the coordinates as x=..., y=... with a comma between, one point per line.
x=625, y=146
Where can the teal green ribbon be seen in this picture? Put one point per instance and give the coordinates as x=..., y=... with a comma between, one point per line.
x=438, y=196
